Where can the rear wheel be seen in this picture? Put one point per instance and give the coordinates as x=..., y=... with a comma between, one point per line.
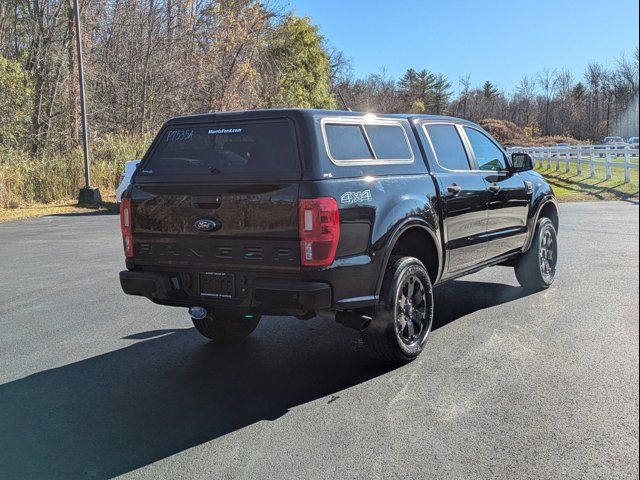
x=402, y=320
x=228, y=328
x=536, y=269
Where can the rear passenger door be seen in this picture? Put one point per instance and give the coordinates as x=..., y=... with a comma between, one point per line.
x=509, y=195
x=464, y=197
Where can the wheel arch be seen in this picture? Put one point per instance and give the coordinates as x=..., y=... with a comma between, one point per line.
x=407, y=239
x=547, y=207
x=550, y=211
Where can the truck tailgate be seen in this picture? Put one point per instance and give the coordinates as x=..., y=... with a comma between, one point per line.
x=254, y=226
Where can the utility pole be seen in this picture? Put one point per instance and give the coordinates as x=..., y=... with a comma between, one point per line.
x=88, y=195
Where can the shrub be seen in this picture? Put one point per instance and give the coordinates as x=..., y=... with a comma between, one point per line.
x=552, y=140
x=509, y=134
x=506, y=132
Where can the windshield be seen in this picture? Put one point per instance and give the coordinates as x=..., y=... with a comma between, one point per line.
x=251, y=150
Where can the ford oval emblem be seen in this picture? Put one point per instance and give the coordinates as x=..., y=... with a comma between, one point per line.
x=206, y=225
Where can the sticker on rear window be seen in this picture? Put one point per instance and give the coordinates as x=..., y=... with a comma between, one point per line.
x=179, y=135
x=225, y=131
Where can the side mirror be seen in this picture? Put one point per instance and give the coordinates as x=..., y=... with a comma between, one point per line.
x=521, y=162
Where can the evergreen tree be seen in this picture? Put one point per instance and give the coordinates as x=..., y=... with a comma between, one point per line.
x=489, y=90
x=441, y=94
x=302, y=66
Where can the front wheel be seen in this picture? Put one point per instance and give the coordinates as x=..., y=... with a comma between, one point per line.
x=536, y=269
x=228, y=328
x=404, y=314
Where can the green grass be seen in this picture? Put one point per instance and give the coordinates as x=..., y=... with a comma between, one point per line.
x=572, y=187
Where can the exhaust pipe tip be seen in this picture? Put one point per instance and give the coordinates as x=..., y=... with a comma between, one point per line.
x=197, y=312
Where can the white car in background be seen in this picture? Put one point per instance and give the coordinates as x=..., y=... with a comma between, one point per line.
x=125, y=178
x=562, y=150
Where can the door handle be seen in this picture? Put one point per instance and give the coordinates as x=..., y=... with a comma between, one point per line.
x=495, y=188
x=454, y=188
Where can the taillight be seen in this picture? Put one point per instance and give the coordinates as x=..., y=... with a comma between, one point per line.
x=319, y=231
x=125, y=227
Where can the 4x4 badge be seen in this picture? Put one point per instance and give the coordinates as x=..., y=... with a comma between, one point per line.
x=356, y=197
x=206, y=225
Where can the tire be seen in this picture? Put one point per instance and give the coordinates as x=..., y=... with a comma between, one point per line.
x=536, y=269
x=226, y=329
x=406, y=293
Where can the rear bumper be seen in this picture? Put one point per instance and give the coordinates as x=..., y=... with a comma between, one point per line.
x=264, y=294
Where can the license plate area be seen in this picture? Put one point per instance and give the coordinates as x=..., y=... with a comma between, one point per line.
x=217, y=285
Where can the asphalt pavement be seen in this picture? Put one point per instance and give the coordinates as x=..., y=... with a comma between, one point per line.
x=96, y=384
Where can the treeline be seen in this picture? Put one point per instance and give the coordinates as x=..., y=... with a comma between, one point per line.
x=603, y=101
x=148, y=60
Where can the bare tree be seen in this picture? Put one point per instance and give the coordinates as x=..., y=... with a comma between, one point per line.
x=594, y=76
x=547, y=80
x=465, y=87
x=524, y=102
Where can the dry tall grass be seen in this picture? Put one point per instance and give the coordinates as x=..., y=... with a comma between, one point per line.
x=51, y=177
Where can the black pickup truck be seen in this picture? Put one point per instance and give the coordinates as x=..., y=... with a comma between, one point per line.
x=311, y=212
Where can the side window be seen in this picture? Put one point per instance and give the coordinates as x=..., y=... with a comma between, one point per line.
x=368, y=142
x=448, y=147
x=347, y=142
x=488, y=155
x=388, y=142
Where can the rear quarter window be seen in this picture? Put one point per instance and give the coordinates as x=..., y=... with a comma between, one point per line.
x=348, y=143
x=235, y=151
x=388, y=142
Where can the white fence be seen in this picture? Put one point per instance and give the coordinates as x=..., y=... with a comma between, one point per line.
x=583, y=156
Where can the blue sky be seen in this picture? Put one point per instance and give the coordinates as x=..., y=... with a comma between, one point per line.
x=492, y=40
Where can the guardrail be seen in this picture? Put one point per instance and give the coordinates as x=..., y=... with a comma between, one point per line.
x=608, y=156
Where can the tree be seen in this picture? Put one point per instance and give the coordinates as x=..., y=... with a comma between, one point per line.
x=15, y=102
x=579, y=92
x=418, y=106
x=548, y=83
x=523, y=102
x=416, y=86
x=300, y=65
x=594, y=76
x=40, y=40
x=489, y=90
x=424, y=92
x=465, y=86
x=376, y=93
x=341, y=67
x=441, y=94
